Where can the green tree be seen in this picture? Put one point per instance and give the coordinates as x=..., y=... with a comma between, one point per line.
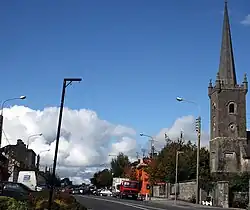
x=119, y=164
x=163, y=167
x=130, y=172
x=206, y=179
x=102, y=178
x=49, y=179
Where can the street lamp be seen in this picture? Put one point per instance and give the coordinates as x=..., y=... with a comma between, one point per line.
x=176, y=173
x=1, y=115
x=198, y=130
x=32, y=136
x=152, y=143
x=66, y=83
x=110, y=155
x=152, y=152
x=38, y=158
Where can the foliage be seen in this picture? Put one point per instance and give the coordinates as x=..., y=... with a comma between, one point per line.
x=48, y=177
x=240, y=182
x=62, y=201
x=119, y=164
x=130, y=172
x=7, y=203
x=120, y=167
x=102, y=178
x=66, y=181
x=163, y=167
x=238, y=189
x=206, y=179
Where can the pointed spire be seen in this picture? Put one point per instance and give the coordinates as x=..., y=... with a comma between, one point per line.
x=227, y=66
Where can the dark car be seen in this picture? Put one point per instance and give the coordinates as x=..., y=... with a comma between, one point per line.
x=16, y=190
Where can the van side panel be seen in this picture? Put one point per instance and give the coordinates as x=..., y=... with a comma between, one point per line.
x=28, y=178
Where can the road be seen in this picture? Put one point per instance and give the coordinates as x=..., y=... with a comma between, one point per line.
x=109, y=203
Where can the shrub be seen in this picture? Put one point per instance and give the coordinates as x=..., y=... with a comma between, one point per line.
x=7, y=203
x=62, y=201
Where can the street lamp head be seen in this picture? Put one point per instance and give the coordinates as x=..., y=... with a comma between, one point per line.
x=141, y=134
x=22, y=97
x=73, y=79
x=179, y=99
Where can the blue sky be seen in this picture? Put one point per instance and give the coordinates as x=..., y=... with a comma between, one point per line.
x=135, y=56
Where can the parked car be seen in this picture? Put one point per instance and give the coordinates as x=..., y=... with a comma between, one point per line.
x=18, y=191
x=105, y=192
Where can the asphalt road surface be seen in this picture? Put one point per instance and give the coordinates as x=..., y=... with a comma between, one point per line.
x=109, y=203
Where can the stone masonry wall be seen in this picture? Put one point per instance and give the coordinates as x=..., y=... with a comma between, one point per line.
x=186, y=190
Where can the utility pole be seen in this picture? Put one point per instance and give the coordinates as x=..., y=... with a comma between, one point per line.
x=181, y=137
x=176, y=174
x=198, y=130
x=66, y=83
x=137, y=155
x=152, y=149
x=143, y=152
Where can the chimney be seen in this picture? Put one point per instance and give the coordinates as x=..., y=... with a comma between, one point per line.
x=19, y=142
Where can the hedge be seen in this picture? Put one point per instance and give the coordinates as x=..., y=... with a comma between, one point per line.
x=62, y=201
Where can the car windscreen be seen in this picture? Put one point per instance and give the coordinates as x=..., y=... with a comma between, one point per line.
x=133, y=185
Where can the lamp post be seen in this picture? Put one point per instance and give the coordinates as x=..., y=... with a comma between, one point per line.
x=152, y=143
x=66, y=83
x=176, y=174
x=1, y=115
x=152, y=154
x=111, y=155
x=32, y=136
x=198, y=130
x=38, y=158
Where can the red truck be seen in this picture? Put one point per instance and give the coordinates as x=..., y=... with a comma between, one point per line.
x=129, y=189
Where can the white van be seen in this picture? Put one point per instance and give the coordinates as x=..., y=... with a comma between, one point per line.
x=29, y=179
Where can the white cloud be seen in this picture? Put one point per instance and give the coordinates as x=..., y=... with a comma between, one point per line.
x=246, y=21
x=186, y=124
x=86, y=141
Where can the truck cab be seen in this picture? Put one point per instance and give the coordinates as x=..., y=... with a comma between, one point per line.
x=129, y=189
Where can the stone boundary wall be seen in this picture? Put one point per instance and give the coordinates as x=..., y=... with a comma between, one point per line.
x=186, y=190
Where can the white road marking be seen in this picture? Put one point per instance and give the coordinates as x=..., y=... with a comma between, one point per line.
x=137, y=206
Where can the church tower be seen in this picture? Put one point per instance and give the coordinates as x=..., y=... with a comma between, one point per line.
x=228, y=135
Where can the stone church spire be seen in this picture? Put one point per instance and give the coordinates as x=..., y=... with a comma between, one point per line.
x=227, y=67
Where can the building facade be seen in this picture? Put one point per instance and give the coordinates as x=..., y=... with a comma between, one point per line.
x=229, y=150
x=19, y=158
x=4, y=173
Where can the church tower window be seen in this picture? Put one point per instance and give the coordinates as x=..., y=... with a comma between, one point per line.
x=231, y=108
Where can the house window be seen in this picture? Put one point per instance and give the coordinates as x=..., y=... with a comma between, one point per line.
x=231, y=108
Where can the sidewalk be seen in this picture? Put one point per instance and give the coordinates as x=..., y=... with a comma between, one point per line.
x=169, y=202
